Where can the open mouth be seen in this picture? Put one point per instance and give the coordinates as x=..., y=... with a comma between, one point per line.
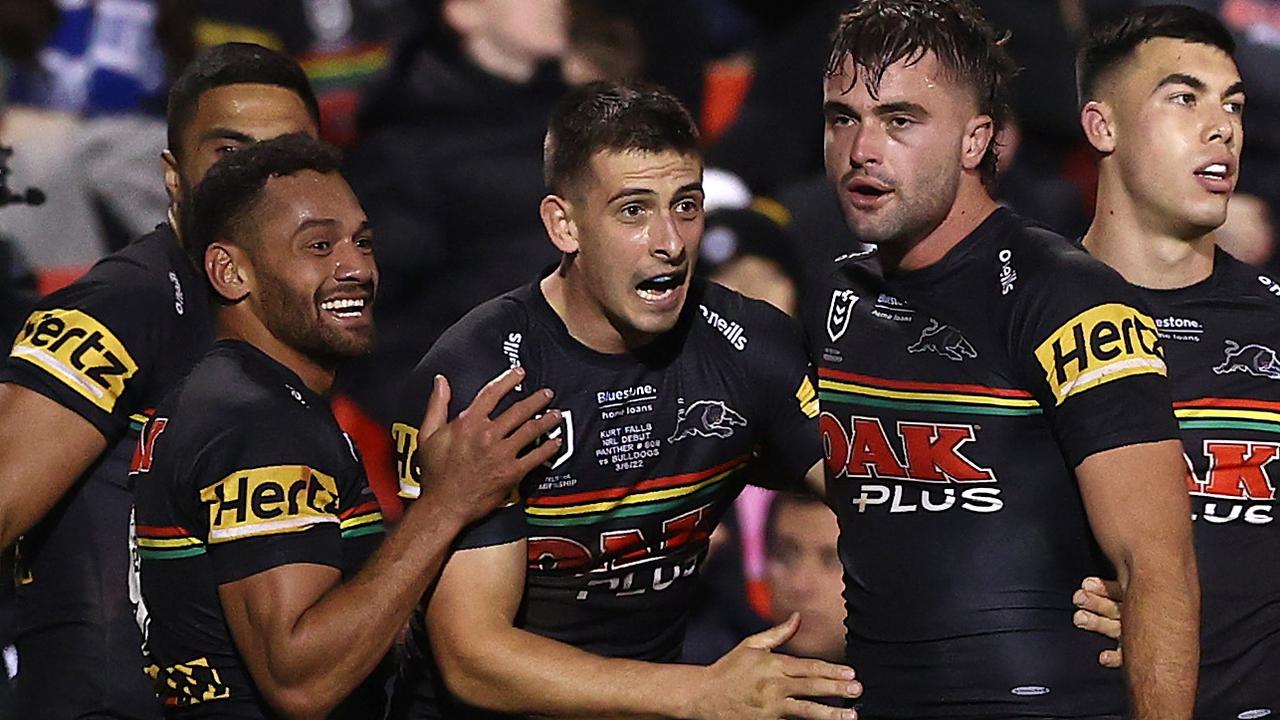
x=344, y=308
x=660, y=287
x=1215, y=171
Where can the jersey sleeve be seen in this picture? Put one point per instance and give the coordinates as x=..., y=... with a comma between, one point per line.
x=1092, y=356
x=780, y=378
x=473, y=352
x=91, y=348
x=262, y=498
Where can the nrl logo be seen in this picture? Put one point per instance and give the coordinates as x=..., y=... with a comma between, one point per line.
x=842, y=302
x=1254, y=359
x=945, y=341
x=706, y=418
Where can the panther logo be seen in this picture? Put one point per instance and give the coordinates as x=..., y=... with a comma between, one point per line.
x=706, y=418
x=1257, y=360
x=945, y=341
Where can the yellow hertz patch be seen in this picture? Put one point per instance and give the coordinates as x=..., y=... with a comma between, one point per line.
x=808, y=398
x=1101, y=344
x=404, y=439
x=269, y=501
x=78, y=350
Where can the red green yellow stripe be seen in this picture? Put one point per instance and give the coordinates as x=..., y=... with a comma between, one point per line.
x=1228, y=414
x=856, y=389
x=362, y=519
x=167, y=542
x=644, y=498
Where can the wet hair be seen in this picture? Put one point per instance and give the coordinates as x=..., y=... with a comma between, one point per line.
x=233, y=64
x=221, y=205
x=1110, y=44
x=613, y=116
x=879, y=33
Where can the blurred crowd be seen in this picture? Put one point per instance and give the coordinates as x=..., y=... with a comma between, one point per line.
x=441, y=107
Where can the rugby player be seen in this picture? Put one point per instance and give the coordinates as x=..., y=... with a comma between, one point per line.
x=262, y=590
x=82, y=377
x=1162, y=98
x=573, y=600
x=995, y=409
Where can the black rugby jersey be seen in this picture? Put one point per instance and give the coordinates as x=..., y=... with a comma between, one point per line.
x=956, y=402
x=1221, y=337
x=107, y=347
x=655, y=445
x=241, y=469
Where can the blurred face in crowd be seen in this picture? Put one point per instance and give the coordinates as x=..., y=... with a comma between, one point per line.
x=636, y=221
x=225, y=119
x=530, y=30
x=805, y=576
x=1173, y=113
x=760, y=278
x=896, y=158
x=312, y=277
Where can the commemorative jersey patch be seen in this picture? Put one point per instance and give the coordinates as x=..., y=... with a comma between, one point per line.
x=268, y=501
x=404, y=442
x=79, y=351
x=1104, y=343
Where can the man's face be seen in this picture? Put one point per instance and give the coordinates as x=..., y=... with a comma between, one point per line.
x=805, y=576
x=227, y=118
x=639, y=218
x=534, y=30
x=1177, y=111
x=314, y=277
x=895, y=159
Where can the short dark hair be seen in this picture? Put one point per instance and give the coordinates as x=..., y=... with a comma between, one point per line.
x=879, y=33
x=233, y=64
x=225, y=198
x=614, y=116
x=784, y=499
x=1111, y=43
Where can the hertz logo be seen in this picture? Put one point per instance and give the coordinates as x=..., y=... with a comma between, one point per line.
x=1101, y=344
x=78, y=350
x=269, y=501
x=404, y=439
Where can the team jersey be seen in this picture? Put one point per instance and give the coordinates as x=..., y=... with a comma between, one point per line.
x=656, y=443
x=107, y=347
x=956, y=402
x=1221, y=338
x=242, y=469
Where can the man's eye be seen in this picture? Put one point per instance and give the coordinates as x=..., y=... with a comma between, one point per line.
x=900, y=122
x=1235, y=107
x=222, y=150
x=688, y=207
x=319, y=245
x=841, y=121
x=1185, y=98
x=632, y=211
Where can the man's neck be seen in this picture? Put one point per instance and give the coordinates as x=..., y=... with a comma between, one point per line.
x=583, y=317
x=972, y=206
x=1138, y=248
x=497, y=61
x=234, y=326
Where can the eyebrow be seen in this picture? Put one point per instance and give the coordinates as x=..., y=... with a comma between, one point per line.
x=834, y=106
x=1190, y=81
x=326, y=223
x=221, y=133
x=1235, y=89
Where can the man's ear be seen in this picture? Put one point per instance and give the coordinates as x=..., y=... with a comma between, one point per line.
x=1098, y=120
x=558, y=220
x=979, y=133
x=172, y=180
x=228, y=271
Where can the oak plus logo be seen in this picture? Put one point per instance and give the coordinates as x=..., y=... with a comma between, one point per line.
x=1235, y=485
x=838, y=314
x=929, y=456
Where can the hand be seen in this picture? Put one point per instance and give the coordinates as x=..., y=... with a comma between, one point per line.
x=753, y=682
x=1100, y=604
x=471, y=465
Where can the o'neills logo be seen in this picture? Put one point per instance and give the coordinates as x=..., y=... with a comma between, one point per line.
x=268, y=501
x=731, y=330
x=1101, y=344
x=79, y=351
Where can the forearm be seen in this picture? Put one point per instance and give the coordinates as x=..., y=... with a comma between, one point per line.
x=517, y=671
x=338, y=641
x=1161, y=638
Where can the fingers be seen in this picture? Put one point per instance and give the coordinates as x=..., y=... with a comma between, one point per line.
x=822, y=688
x=493, y=392
x=437, y=408
x=1111, y=658
x=1097, y=604
x=521, y=411
x=537, y=456
x=809, y=710
x=774, y=636
x=805, y=668
x=1105, y=588
x=1086, y=620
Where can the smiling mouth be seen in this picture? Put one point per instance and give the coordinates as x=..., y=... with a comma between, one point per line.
x=344, y=308
x=660, y=287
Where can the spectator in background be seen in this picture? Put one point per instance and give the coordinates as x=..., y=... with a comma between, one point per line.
x=746, y=250
x=448, y=167
x=805, y=575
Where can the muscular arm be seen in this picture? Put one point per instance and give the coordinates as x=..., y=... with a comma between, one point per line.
x=44, y=447
x=1140, y=513
x=309, y=639
x=489, y=663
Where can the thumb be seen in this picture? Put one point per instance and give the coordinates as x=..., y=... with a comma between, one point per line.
x=776, y=635
x=437, y=408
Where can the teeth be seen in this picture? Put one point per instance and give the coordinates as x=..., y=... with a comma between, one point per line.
x=1215, y=169
x=654, y=294
x=343, y=304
